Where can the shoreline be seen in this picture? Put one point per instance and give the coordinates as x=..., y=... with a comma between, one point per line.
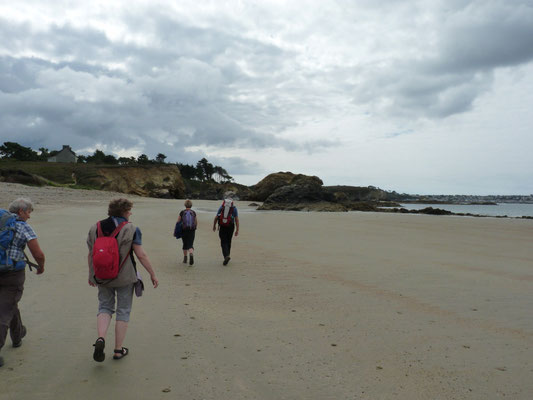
x=44, y=194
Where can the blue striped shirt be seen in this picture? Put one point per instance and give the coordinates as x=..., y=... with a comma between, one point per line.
x=23, y=234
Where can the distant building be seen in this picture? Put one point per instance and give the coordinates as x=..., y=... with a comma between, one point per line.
x=65, y=155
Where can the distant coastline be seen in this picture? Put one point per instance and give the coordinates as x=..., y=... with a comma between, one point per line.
x=467, y=199
x=497, y=210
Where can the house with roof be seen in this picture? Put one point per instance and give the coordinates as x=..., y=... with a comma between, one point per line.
x=64, y=155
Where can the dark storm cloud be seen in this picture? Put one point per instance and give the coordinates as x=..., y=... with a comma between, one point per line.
x=484, y=37
x=180, y=91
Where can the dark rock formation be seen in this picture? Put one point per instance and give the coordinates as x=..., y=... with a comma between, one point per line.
x=287, y=191
x=266, y=187
x=427, y=210
x=360, y=193
x=304, y=206
x=434, y=211
x=301, y=193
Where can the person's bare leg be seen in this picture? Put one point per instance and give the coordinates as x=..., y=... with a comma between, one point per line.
x=191, y=256
x=102, y=321
x=120, y=333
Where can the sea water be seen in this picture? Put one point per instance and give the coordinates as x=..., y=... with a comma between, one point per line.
x=498, y=210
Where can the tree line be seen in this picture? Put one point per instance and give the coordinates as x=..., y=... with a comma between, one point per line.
x=203, y=170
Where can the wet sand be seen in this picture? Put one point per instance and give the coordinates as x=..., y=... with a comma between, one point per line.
x=312, y=306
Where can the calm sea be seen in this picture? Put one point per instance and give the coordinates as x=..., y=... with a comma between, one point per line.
x=501, y=209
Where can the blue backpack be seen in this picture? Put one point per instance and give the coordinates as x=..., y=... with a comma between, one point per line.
x=7, y=233
x=189, y=220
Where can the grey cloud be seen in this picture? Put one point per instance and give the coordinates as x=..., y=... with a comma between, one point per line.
x=473, y=40
x=488, y=35
x=238, y=165
x=190, y=80
x=166, y=89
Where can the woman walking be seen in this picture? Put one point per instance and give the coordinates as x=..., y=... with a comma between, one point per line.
x=115, y=294
x=189, y=224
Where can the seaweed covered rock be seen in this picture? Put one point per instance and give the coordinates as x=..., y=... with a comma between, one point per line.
x=305, y=206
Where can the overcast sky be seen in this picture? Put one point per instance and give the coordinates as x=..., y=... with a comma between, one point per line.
x=425, y=96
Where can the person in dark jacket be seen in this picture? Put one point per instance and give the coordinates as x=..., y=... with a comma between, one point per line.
x=228, y=222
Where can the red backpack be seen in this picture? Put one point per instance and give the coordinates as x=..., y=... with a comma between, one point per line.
x=106, y=257
x=226, y=214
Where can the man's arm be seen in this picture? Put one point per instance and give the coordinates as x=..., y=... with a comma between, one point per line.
x=143, y=258
x=215, y=223
x=37, y=254
x=237, y=226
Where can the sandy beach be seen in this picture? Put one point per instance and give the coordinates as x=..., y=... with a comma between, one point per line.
x=312, y=306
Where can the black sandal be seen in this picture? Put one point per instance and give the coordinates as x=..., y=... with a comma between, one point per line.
x=123, y=353
x=99, y=346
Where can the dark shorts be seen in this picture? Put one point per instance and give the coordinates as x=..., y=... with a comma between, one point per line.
x=188, y=239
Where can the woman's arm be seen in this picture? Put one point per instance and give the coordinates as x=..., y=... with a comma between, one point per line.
x=143, y=258
x=89, y=256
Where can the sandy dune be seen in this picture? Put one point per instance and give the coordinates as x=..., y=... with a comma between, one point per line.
x=311, y=306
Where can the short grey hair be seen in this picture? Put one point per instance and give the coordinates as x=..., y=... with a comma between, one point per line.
x=22, y=203
x=188, y=203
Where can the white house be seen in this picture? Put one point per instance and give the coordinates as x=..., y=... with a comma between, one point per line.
x=65, y=155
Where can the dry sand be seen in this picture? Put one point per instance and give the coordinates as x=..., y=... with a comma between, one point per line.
x=311, y=306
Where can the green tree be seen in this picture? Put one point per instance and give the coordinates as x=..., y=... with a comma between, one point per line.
x=15, y=151
x=43, y=154
x=188, y=171
x=143, y=159
x=110, y=159
x=160, y=158
x=127, y=161
x=221, y=175
x=97, y=158
x=205, y=169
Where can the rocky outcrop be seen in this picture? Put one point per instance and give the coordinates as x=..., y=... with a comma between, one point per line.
x=163, y=181
x=266, y=187
x=216, y=191
x=287, y=191
x=359, y=193
x=304, y=206
x=148, y=180
x=301, y=193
